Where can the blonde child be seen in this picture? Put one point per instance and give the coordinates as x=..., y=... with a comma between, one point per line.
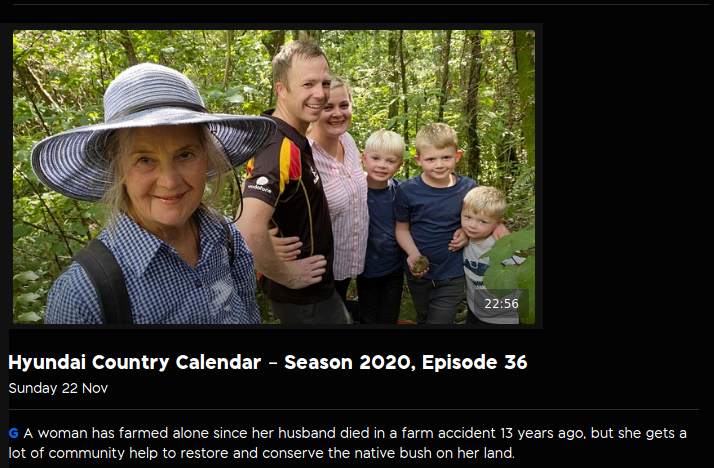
x=481, y=213
x=428, y=213
x=380, y=284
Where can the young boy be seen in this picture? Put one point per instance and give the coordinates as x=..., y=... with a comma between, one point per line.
x=380, y=285
x=482, y=212
x=428, y=212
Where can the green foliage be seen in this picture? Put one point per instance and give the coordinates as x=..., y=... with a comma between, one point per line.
x=28, y=289
x=59, y=78
x=521, y=199
x=500, y=279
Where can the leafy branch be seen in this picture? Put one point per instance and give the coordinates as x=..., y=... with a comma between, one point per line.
x=62, y=234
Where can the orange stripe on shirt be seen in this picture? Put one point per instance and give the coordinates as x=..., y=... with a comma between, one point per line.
x=290, y=165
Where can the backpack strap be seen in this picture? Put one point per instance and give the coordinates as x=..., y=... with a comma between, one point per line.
x=229, y=238
x=105, y=274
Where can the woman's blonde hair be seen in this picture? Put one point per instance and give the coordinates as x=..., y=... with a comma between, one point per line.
x=338, y=82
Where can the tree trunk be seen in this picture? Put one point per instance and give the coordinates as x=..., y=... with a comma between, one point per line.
x=473, y=156
x=376, y=40
x=444, y=75
x=524, y=44
x=98, y=82
x=104, y=74
x=110, y=71
x=126, y=42
x=392, y=44
x=403, y=69
x=508, y=145
x=464, y=62
x=272, y=42
x=417, y=115
x=227, y=68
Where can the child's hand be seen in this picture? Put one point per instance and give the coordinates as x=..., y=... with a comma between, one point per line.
x=459, y=241
x=500, y=231
x=419, y=263
x=286, y=248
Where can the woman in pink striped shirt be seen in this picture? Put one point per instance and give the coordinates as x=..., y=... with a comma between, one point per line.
x=339, y=163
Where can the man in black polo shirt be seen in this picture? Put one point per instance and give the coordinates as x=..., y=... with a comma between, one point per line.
x=284, y=189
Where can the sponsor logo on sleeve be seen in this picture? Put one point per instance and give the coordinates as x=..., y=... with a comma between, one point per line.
x=259, y=185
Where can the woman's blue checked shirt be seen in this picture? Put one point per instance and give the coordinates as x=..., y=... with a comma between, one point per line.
x=163, y=289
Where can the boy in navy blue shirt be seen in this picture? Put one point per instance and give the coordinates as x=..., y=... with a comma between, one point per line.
x=428, y=213
x=380, y=285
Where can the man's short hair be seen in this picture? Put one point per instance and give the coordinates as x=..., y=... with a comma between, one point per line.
x=385, y=141
x=487, y=200
x=437, y=135
x=283, y=60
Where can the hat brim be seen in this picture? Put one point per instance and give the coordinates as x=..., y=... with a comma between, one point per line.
x=75, y=164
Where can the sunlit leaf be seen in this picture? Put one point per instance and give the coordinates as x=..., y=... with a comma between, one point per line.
x=236, y=98
x=29, y=317
x=27, y=298
x=25, y=276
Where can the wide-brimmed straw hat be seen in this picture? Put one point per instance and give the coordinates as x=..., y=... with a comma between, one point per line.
x=75, y=163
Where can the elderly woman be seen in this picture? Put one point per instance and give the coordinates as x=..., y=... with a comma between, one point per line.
x=149, y=161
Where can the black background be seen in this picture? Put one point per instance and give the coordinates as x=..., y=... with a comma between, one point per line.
x=620, y=340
